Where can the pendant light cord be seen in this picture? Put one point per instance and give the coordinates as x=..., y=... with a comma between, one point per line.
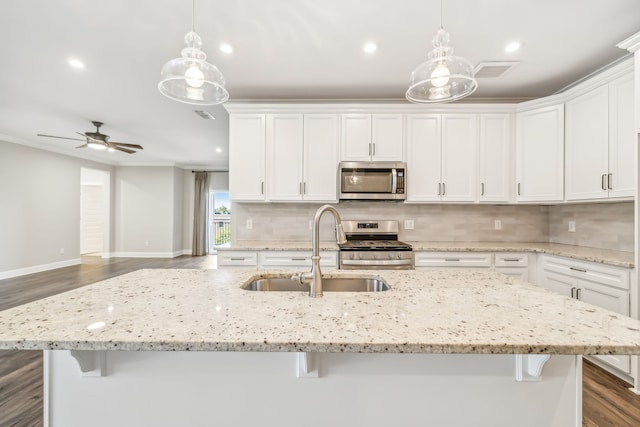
x=193, y=15
x=440, y=13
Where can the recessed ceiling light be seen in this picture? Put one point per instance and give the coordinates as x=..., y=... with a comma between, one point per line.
x=512, y=47
x=226, y=48
x=76, y=63
x=370, y=47
x=218, y=150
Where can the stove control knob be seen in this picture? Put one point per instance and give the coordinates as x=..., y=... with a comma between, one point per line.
x=390, y=256
x=399, y=256
x=359, y=255
x=375, y=256
x=351, y=256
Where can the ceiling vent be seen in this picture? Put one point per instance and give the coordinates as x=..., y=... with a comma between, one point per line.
x=204, y=114
x=491, y=70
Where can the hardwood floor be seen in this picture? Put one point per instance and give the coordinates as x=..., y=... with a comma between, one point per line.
x=606, y=400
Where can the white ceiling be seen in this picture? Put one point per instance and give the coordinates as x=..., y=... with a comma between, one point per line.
x=283, y=50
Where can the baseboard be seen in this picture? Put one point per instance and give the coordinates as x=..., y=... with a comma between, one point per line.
x=187, y=252
x=38, y=268
x=145, y=254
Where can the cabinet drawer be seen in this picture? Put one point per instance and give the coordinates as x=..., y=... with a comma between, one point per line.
x=511, y=259
x=599, y=273
x=452, y=259
x=296, y=259
x=237, y=259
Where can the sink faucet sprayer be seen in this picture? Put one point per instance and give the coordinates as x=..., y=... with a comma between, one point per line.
x=314, y=277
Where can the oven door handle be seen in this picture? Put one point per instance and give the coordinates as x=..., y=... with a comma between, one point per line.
x=394, y=181
x=376, y=262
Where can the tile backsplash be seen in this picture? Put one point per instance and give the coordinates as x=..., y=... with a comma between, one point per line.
x=598, y=225
x=602, y=225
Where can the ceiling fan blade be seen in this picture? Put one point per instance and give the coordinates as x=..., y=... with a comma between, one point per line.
x=86, y=136
x=122, y=144
x=126, y=150
x=60, y=137
x=82, y=146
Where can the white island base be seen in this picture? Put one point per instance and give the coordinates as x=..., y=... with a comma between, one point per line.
x=193, y=389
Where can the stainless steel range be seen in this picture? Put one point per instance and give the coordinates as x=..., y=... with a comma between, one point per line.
x=374, y=245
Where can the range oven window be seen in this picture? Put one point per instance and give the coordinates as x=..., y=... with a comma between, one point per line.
x=367, y=181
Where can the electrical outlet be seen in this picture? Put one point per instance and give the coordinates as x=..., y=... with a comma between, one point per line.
x=310, y=224
x=408, y=224
x=146, y=243
x=572, y=226
x=497, y=224
x=61, y=251
x=249, y=224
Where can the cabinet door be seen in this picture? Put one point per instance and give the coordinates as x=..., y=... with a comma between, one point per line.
x=587, y=145
x=559, y=283
x=320, y=157
x=387, y=137
x=356, y=137
x=493, y=155
x=247, y=157
x=622, y=138
x=423, y=157
x=540, y=154
x=458, y=162
x=284, y=157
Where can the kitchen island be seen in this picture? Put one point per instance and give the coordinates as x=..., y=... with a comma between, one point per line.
x=187, y=347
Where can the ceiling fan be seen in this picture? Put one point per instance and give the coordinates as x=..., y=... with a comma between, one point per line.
x=99, y=141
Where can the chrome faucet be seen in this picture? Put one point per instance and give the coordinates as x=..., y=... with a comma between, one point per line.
x=314, y=277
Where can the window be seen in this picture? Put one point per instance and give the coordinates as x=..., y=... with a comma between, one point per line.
x=219, y=220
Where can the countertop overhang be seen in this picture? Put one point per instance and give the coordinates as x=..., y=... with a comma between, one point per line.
x=435, y=311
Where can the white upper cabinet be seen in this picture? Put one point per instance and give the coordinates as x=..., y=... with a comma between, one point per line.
x=377, y=137
x=587, y=135
x=302, y=157
x=540, y=154
x=494, y=175
x=247, y=157
x=284, y=156
x=622, y=138
x=320, y=168
x=600, y=142
x=441, y=157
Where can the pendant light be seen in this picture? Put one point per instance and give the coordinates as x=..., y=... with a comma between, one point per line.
x=190, y=78
x=444, y=77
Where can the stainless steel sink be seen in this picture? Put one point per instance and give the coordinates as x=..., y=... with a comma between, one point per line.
x=329, y=284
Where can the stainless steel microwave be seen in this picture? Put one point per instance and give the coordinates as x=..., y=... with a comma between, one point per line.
x=372, y=180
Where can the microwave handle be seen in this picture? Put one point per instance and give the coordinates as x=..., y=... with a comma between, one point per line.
x=394, y=181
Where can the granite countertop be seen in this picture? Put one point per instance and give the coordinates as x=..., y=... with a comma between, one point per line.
x=604, y=256
x=436, y=311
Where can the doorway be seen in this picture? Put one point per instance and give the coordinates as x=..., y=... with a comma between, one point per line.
x=219, y=220
x=95, y=196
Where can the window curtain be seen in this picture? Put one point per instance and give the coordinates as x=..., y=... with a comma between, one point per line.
x=200, y=214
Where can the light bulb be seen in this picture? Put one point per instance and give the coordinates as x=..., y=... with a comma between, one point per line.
x=440, y=76
x=195, y=93
x=194, y=76
x=96, y=145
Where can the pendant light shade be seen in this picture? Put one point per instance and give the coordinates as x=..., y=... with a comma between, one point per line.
x=444, y=77
x=190, y=78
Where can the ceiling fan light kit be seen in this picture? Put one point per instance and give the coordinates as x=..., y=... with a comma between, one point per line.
x=442, y=78
x=190, y=78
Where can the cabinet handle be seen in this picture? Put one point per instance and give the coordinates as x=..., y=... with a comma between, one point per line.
x=511, y=259
x=610, y=181
x=578, y=293
x=482, y=188
x=578, y=269
x=300, y=188
x=518, y=189
x=374, y=148
x=369, y=148
x=573, y=291
x=262, y=187
x=304, y=188
x=298, y=259
x=603, y=181
x=236, y=259
x=444, y=189
x=439, y=189
x=452, y=259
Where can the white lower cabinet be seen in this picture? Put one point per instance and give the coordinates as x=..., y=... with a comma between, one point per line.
x=601, y=285
x=452, y=259
x=247, y=259
x=514, y=264
x=295, y=259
